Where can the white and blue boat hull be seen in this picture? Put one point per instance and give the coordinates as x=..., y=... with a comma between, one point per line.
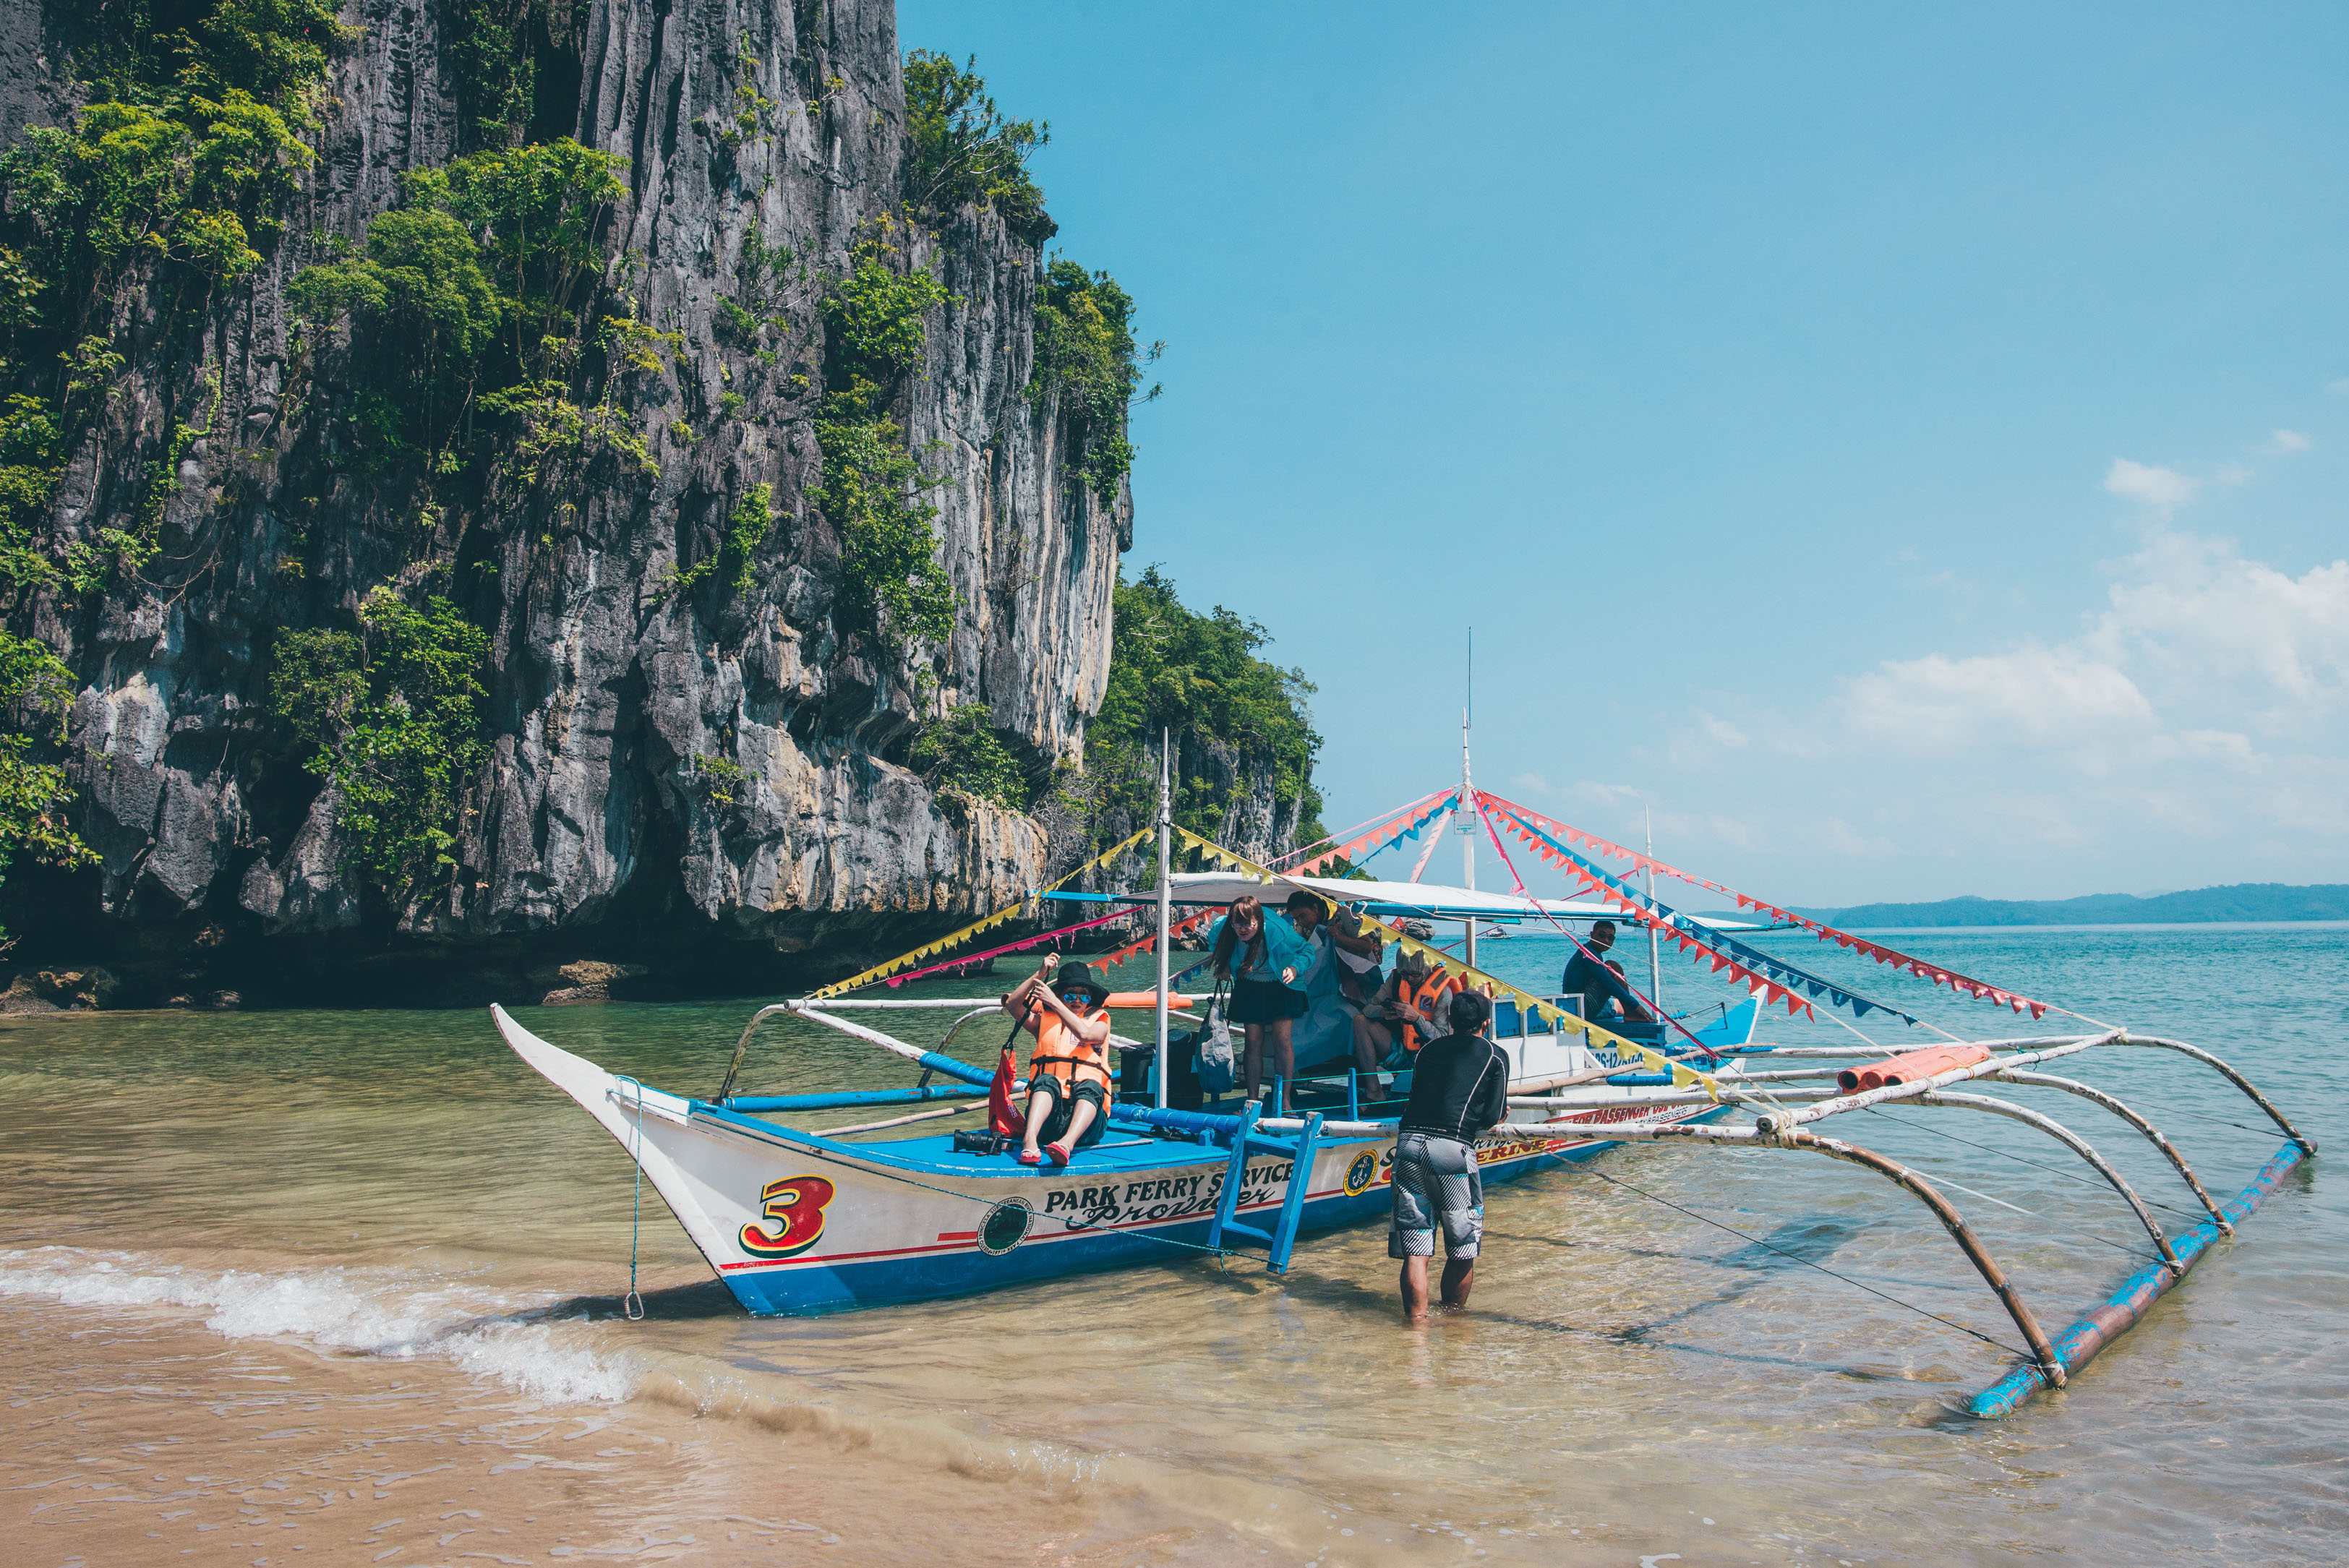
x=794, y=1222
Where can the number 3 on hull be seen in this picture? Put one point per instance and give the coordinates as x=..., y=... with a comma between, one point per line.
x=798, y=1201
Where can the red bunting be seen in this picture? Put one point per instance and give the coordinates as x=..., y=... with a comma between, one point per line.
x=1389, y=832
x=1112, y=960
x=1523, y=820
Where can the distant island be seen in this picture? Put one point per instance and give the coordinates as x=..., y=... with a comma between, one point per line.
x=2242, y=901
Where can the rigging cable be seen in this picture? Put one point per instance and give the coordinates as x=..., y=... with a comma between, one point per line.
x=2036, y=1165
x=1692, y=1214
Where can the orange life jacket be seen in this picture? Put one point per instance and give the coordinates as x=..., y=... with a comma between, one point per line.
x=1059, y=1054
x=1427, y=999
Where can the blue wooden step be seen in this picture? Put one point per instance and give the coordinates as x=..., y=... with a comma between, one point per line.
x=1299, y=1148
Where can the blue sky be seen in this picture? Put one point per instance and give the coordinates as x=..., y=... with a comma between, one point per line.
x=1907, y=449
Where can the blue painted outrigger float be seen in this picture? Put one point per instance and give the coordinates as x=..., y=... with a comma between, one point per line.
x=797, y=1221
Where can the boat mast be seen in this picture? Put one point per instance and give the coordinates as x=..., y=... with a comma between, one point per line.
x=1165, y=894
x=1655, y=962
x=1469, y=815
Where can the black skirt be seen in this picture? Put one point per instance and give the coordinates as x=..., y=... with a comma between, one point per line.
x=1265, y=1002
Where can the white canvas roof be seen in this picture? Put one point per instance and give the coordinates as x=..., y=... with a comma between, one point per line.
x=1395, y=900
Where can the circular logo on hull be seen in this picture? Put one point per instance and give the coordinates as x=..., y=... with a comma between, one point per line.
x=1006, y=1226
x=1361, y=1174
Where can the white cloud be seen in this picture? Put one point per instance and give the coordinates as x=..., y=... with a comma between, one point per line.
x=2232, y=641
x=2287, y=441
x=2165, y=489
x=2194, y=729
x=2062, y=697
x=2195, y=645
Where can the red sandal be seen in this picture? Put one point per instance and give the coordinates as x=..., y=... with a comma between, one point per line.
x=1057, y=1152
x=1029, y=1157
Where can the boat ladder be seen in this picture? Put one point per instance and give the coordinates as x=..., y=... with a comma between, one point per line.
x=1299, y=1149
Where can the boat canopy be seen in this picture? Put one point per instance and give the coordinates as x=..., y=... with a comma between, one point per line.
x=1390, y=900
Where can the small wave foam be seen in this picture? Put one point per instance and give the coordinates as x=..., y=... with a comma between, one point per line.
x=383, y=1313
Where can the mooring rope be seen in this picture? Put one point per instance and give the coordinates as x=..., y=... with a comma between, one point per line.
x=633, y=1303
x=1911, y=1306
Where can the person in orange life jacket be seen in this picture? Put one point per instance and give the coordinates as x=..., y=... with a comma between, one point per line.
x=1412, y=1003
x=1265, y=960
x=1391, y=1023
x=1069, y=1080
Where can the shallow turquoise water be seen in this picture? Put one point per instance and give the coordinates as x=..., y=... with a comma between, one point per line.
x=1635, y=1379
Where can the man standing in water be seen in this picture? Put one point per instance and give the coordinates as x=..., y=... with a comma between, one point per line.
x=1459, y=1089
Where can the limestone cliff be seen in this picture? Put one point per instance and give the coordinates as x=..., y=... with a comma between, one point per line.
x=592, y=830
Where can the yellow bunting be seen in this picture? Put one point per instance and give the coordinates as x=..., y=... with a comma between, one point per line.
x=1682, y=1076
x=907, y=960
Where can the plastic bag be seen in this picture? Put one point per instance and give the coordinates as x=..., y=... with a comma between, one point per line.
x=1216, y=1048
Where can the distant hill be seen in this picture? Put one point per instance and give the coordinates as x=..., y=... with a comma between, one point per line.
x=2243, y=901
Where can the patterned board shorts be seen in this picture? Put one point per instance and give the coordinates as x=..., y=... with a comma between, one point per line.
x=1436, y=1182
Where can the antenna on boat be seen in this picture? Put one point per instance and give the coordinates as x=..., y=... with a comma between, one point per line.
x=1469, y=816
x=1166, y=892
x=1655, y=960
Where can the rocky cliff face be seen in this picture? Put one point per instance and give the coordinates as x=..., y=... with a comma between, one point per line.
x=592, y=831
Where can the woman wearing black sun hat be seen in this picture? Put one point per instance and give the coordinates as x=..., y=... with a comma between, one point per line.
x=1070, y=1084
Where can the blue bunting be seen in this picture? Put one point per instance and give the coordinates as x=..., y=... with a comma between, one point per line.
x=1777, y=971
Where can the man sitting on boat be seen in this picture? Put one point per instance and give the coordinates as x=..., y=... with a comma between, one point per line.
x=1070, y=1084
x=1629, y=1012
x=1597, y=983
x=1459, y=1088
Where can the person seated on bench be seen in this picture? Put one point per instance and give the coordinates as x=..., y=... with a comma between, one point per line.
x=1629, y=1012
x=1590, y=975
x=1413, y=1007
x=1070, y=1086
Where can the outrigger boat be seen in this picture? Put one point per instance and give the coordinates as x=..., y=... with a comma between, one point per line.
x=796, y=1221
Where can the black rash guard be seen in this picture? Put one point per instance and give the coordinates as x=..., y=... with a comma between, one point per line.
x=1459, y=1087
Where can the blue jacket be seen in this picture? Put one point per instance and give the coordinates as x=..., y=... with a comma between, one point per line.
x=1283, y=949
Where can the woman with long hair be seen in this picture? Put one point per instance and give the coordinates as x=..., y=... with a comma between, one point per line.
x=1265, y=960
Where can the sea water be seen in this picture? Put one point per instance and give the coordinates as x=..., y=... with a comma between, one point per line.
x=345, y=1287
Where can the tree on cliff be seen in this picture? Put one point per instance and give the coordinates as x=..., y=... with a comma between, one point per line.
x=34, y=688
x=1239, y=724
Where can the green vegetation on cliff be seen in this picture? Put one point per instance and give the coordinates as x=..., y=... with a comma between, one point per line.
x=34, y=689
x=1086, y=356
x=1172, y=668
x=888, y=549
x=961, y=151
x=391, y=717
x=170, y=179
